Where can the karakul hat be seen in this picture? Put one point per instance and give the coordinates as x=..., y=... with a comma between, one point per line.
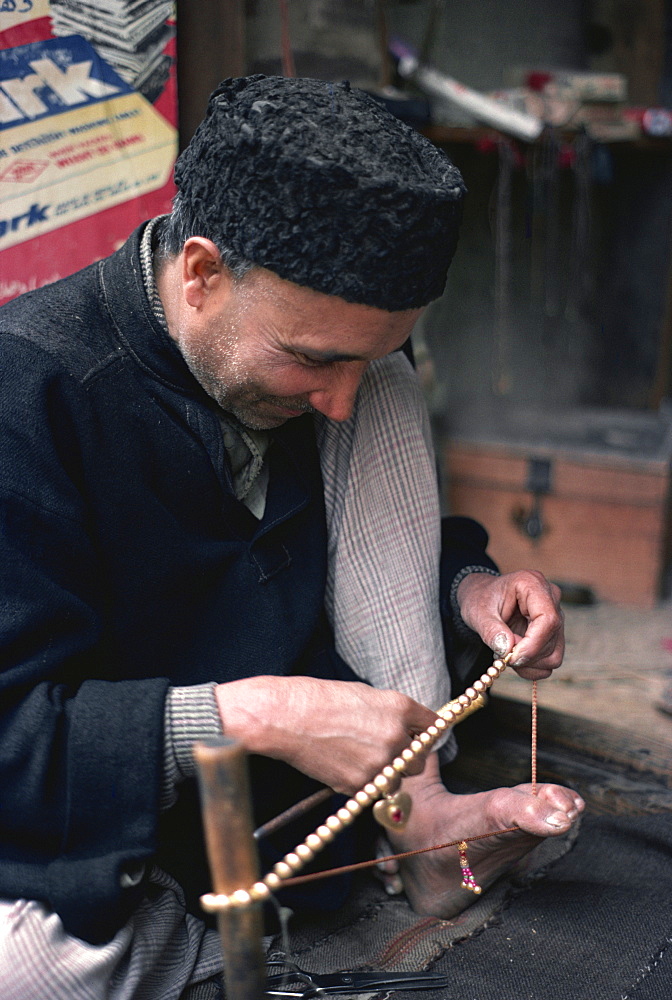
x=321, y=185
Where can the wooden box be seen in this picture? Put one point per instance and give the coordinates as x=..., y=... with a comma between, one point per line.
x=583, y=496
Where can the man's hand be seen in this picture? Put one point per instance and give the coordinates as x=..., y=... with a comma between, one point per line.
x=340, y=732
x=517, y=611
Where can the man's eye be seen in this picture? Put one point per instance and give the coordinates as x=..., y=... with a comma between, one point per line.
x=305, y=359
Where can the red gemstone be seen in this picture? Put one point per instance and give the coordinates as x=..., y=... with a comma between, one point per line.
x=397, y=815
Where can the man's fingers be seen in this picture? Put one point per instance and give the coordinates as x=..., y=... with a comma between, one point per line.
x=517, y=612
x=342, y=733
x=416, y=766
x=531, y=607
x=543, y=644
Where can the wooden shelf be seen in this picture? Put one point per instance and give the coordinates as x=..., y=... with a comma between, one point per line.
x=446, y=135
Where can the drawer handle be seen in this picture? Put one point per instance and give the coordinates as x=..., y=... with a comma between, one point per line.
x=530, y=523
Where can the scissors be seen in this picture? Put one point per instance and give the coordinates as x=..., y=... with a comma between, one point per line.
x=334, y=983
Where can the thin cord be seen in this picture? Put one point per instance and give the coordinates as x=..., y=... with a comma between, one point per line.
x=299, y=879
x=535, y=707
x=288, y=68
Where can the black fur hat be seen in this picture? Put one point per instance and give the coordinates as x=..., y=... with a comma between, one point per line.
x=321, y=185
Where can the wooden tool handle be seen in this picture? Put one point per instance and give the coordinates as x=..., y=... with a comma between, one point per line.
x=232, y=854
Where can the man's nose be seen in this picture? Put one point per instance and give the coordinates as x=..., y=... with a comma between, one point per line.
x=336, y=399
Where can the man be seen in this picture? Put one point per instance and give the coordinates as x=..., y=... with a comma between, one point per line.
x=213, y=522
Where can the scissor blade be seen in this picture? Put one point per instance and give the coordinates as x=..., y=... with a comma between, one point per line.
x=359, y=982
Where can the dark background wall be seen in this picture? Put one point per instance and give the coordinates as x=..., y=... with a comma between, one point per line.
x=579, y=313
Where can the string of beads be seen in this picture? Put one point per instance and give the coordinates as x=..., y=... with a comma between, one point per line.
x=303, y=853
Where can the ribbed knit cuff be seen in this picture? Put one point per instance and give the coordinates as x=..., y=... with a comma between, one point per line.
x=191, y=715
x=460, y=627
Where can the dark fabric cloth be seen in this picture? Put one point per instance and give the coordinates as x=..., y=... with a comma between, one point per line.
x=593, y=924
x=127, y=565
x=597, y=927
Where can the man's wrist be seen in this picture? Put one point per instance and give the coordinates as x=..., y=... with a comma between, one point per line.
x=459, y=625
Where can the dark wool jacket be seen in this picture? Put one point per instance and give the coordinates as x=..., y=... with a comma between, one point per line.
x=127, y=565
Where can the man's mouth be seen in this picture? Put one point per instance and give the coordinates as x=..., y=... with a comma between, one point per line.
x=293, y=411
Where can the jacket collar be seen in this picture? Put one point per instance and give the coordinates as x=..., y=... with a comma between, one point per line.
x=135, y=326
x=143, y=337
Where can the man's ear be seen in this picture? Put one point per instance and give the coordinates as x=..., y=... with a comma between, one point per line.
x=203, y=272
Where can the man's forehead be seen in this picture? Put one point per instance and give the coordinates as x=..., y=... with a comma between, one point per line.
x=264, y=285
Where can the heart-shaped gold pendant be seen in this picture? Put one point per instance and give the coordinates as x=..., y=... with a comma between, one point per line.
x=393, y=811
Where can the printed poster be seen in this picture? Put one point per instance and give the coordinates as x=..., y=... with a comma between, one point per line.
x=88, y=131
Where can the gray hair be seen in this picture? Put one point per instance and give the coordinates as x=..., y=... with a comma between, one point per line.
x=181, y=224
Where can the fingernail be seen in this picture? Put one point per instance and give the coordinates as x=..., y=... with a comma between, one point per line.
x=500, y=644
x=558, y=819
x=520, y=661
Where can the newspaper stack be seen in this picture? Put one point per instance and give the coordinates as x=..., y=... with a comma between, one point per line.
x=130, y=35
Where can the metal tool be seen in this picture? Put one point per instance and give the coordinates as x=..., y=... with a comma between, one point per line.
x=334, y=983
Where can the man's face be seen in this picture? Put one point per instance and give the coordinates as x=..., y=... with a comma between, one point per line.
x=268, y=350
